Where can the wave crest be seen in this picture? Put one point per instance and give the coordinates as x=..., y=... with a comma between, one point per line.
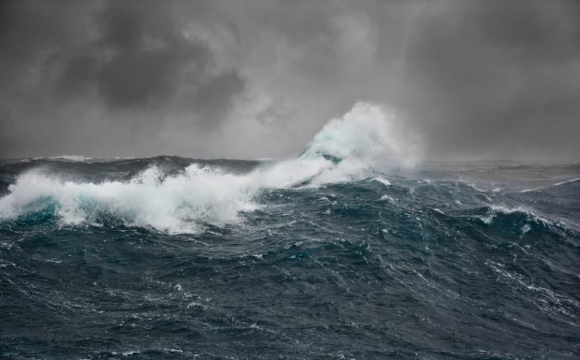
x=174, y=204
x=345, y=149
x=367, y=134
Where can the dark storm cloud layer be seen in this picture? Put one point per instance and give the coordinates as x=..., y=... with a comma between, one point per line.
x=130, y=62
x=503, y=75
x=259, y=78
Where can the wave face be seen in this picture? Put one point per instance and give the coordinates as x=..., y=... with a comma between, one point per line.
x=350, y=250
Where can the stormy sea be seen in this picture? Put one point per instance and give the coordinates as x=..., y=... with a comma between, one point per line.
x=348, y=250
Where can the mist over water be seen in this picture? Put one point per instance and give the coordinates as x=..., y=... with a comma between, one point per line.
x=354, y=249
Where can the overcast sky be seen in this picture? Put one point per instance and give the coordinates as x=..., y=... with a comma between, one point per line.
x=258, y=78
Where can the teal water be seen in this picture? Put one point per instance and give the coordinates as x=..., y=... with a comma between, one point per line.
x=174, y=258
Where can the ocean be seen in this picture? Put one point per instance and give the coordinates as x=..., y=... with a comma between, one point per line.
x=346, y=251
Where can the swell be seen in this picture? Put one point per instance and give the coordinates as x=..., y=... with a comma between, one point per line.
x=323, y=267
x=207, y=201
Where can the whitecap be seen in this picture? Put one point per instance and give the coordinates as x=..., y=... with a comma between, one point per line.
x=382, y=181
x=346, y=149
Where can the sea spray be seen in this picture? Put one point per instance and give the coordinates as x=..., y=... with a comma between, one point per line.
x=346, y=149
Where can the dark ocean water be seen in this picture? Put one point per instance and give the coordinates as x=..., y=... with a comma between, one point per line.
x=351, y=250
x=173, y=258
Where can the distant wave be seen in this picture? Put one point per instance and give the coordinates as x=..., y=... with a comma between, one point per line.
x=494, y=210
x=566, y=182
x=74, y=158
x=570, y=181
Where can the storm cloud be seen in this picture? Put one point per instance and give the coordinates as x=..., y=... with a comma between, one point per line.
x=475, y=79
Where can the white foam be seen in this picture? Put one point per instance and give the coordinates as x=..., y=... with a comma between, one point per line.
x=173, y=204
x=486, y=219
x=556, y=184
x=382, y=181
x=75, y=158
x=473, y=186
x=529, y=213
x=344, y=150
x=566, y=182
x=500, y=209
x=367, y=134
x=387, y=197
x=526, y=228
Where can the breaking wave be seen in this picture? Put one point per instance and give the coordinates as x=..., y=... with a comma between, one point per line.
x=346, y=251
x=346, y=149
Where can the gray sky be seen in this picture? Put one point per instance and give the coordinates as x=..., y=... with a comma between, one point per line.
x=258, y=78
